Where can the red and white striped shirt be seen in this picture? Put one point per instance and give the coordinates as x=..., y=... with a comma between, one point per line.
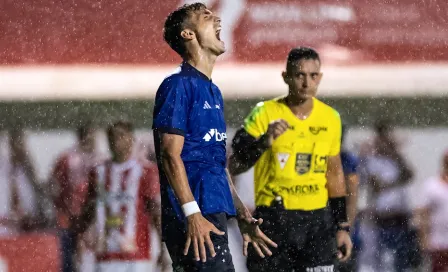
x=122, y=218
x=70, y=183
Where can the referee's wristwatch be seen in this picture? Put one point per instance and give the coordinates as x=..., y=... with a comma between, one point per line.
x=343, y=227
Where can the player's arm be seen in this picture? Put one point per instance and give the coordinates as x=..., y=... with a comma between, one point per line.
x=422, y=217
x=249, y=226
x=248, y=147
x=246, y=151
x=81, y=223
x=337, y=193
x=198, y=228
x=352, y=183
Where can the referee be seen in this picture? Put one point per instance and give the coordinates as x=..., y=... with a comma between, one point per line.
x=294, y=142
x=190, y=142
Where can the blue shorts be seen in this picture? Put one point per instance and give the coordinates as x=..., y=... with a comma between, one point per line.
x=175, y=243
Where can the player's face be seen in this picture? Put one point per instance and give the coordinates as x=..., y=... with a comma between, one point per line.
x=445, y=164
x=88, y=143
x=303, y=79
x=206, y=28
x=122, y=141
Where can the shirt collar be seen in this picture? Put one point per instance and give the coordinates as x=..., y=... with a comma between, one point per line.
x=186, y=67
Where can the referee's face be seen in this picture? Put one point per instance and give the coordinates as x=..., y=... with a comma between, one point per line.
x=303, y=79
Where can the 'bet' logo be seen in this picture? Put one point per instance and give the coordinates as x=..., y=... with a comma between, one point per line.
x=214, y=133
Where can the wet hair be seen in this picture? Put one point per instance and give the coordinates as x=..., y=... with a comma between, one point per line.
x=343, y=132
x=84, y=130
x=175, y=23
x=300, y=53
x=382, y=126
x=127, y=126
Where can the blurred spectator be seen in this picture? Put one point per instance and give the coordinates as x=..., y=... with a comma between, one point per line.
x=350, y=168
x=69, y=182
x=389, y=175
x=432, y=216
x=22, y=208
x=124, y=202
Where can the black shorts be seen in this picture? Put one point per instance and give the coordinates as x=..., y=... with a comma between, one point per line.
x=306, y=241
x=175, y=239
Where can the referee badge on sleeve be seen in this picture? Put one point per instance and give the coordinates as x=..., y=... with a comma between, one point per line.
x=303, y=163
x=282, y=159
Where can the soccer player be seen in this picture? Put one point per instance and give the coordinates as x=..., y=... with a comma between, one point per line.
x=123, y=198
x=432, y=212
x=69, y=183
x=294, y=142
x=350, y=168
x=189, y=136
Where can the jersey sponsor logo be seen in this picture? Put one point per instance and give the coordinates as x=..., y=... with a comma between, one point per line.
x=303, y=163
x=309, y=189
x=323, y=268
x=320, y=164
x=207, y=106
x=282, y=159
x=215, y=134
x=317, y=130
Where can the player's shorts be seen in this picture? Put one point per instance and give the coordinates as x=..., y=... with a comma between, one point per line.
x=306, y=241
x=175, y=239
x=125, y=266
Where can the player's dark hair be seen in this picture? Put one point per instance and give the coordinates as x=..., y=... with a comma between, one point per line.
x=382, y=126
x=119, y=124
x=84, y=130
x=300, y=53
x=175, y=23
x=343, y=132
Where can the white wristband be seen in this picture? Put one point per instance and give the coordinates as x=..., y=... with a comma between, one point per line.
x=190, y=208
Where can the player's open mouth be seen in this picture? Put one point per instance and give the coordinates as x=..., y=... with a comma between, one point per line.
x=218, y=34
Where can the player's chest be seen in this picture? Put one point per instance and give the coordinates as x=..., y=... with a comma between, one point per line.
x=207, y=113
x=119, y=186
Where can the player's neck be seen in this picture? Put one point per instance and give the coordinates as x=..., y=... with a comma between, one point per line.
x=445, y=176
x=203, y=62
x=122, y=157
x=300, y=107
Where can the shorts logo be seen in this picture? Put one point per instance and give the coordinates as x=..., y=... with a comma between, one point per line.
x=316, y=130
x=303, y=163
x=324, y=268
x=282, y=159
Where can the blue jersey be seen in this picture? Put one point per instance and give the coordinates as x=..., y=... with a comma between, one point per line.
x=189, y=104
x=349, y=163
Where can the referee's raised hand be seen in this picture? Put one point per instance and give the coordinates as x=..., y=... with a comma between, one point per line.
x=275, y=129
x=198, y=233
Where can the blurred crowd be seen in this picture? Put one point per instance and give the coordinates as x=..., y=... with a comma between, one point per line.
x=388, y=233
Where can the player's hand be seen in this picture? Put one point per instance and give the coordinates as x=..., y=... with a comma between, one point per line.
x=345, y=245
x=198, y=233
x=252, y=234
x=275, y=129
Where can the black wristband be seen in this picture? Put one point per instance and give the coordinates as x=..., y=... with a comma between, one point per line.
x=339, y=210
x=344, y=228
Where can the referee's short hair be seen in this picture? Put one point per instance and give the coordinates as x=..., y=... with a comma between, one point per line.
x=300, y=53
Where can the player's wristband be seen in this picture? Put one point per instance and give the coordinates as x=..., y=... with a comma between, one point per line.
x=190, y=208
x=339, y=210
x=343, y=228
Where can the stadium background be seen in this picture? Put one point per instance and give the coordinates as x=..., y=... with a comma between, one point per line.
x=62, y=63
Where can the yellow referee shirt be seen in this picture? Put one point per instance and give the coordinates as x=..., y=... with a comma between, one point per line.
x=295, y=166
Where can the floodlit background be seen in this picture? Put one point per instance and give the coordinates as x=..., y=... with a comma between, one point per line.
x=63, y=63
